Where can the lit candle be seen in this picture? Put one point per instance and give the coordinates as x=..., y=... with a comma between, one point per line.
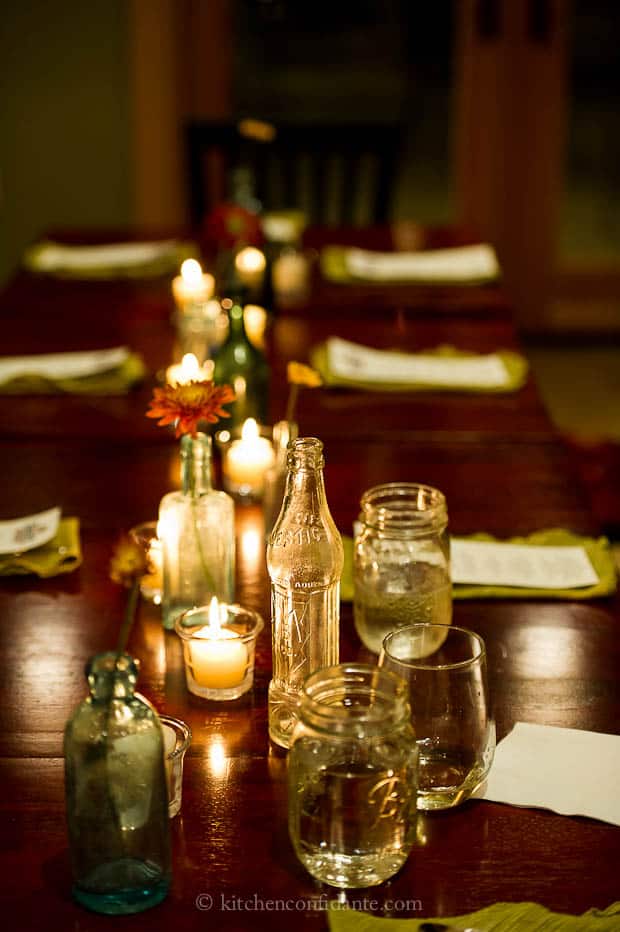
x=250, y=264
x=189, y=370
x=255, y=320
x=192, y=286
x=219, y=657
x=247, y=460
x=291, y=274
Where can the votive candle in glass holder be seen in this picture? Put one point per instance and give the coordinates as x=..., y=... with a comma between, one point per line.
x=246, y=457
x=192, y=287
x=145, y=535
x=177, y=738
x=219, y=643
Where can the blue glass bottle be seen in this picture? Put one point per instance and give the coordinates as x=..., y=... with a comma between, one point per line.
x=116, y=796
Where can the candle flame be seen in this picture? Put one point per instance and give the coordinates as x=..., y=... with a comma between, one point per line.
x=214, y=618
x=249, y=431
x=250, y=259
x=190, y=368
x=191, y=272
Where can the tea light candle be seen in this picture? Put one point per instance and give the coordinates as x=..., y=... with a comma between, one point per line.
x=218, y=656
x=192, y=286
x=250, y=265
x=290, y=274
x=189, y=370
x=247, y=460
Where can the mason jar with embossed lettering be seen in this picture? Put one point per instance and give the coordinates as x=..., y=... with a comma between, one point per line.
x=353, y=776
x=305, y=560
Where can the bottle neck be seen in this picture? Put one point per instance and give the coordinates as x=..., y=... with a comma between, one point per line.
x=196, y=464
x=305, y=482
x=111, y=676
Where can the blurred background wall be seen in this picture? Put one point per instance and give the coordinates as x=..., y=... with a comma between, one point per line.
x=509, y=109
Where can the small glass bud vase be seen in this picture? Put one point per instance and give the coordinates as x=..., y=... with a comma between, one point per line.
x=116, y=796
x=197, y=530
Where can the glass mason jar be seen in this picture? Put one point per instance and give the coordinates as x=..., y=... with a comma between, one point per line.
x=305, y=560
x=401, y=562
x=352, y=774
x=116, y=796
x=197, y=532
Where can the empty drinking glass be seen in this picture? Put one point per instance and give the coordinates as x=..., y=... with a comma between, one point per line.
x=445, y=668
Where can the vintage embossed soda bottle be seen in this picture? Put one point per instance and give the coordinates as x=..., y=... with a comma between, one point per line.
x=305, y=559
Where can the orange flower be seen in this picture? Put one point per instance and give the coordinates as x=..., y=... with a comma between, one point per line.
x=186, y=405
x=298, y=373
x=128, y=562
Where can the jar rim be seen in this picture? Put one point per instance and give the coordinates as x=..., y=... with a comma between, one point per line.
x=328, y=698
x=403, y=505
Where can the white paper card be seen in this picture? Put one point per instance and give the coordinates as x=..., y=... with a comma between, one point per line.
x=459, y=264
x=534, y=567
x=568, y=771
x=63, y=365
x=26, y=533
x=116, y=255
x=360, y=363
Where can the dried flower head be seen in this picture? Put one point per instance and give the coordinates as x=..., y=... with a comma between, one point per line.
x=298, y=373
x=186, y=405
x=128, y=563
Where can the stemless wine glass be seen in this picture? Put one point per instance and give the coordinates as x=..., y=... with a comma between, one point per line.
x=445, y=668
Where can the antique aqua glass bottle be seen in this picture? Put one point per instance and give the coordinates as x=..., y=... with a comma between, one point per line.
x=242, y=365
x=116, y=796
x=304, y=559
x=197, y=529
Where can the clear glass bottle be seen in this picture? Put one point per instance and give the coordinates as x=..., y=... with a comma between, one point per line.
x=304, y=559
x=116, y=796
x=197, y=530
x=242, y=365
x=401, y=561
x=284, y=434
x=352, y=774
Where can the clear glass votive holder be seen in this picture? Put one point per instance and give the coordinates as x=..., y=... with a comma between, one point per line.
x=145, y=535
x=247, y=456
x=177, y=738
x=219, y=658
x=445, y=669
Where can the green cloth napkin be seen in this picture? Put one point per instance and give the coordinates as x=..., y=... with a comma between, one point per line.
x=599, y=551
x=61, y=554
x=516, y=366
x=501, y=917
x=116, y=381
x=162, y=265
x=334, y=268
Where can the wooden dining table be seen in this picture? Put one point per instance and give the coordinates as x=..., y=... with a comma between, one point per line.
x=503, y=470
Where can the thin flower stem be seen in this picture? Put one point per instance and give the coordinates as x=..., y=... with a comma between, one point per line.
x=130, y=612
x=292, y=402
x=203, y=563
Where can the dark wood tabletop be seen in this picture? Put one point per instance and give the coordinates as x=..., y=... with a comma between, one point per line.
x=502, y=469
